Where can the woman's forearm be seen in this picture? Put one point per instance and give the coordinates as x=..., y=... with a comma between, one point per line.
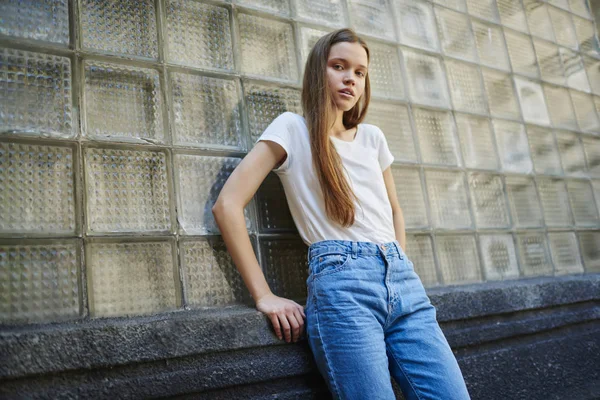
x=399, y=228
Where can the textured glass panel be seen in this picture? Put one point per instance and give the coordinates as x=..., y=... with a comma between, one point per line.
x=489, y=203
x=512, y=146
x=327, y=12
x=127, y=190
x=490, y=46
x=565, y=253
x=285, y=267
x=580, y=7
x=411, y=196
x=550, y=63
x=533, y=253
x=590, y=247
x=574, y=70
x=448, y=199
x=199, y=182
x=543, y=150
x=459, y=262
x=586, y=36
x=384, y=71
x=592, y=67
x=564, y=30
x=267, y=48
x=512, y=14
x=538, y=19
x=309, y=37
x=564, y=4
x=524, y=202
x=394, y=121
x=46, y=20
x=426, y=79
x=560, y=108
x=522, y=54
x=419, y=249
x=455, y=34
x=372, y=17
x=209, y=275
x=581, y=197
x=436, y=136
x=273, y=209
x=35, y=93
x=571, y=153
x=36, y=189
x=531, y=98
x=39, y=282
x=456, y=4
x=416, y=22
x=131, y=278
x=596, y=187
x=500, y=94
x=555, y=202
x=465, y=87
x=206, y=111
x=274, y=6
x=265, y=103
x=585, y=111
x=591, y=146
x=198, y=34
x=130, y=96
x=124, y=26
x=499, y=257
x=476, y=142
x=485, y=9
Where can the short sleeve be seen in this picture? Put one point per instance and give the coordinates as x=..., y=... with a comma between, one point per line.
x=385, y=155
x=280, y=132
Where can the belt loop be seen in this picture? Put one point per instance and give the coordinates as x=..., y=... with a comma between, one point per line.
x=308, y=255
x=354, y=250
x=398, y=248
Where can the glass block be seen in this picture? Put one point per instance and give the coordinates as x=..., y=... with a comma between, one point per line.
x=582, y=203
x=372, y=17
x=459, y=262
x=533, y=254
x=549, y=61
x=39, y=282
x=571, y=153
x=273, y=210
x=416, y=23
x=35, y=93
x=124, y=26
x=130, y=96
x=454, y=31
x=512, y=14
x=543, y=150
x=531, y=98
x=538, y=19
x=448, y=199
x=565, y=253
x=394, y=121
x=580, y=7
x=267, y=48
x=585, y=111
x=476, y=142
x=499, y=257
x=489, y=203
x=127, y=190
x=384, y=71
x=199, y=182
x=455, y=4
x=555, y=202
x=264, y=103
x=411, y=196
x=46, y=20
x=574, y=70
x=564, y=30
x=484, y=9
x=131, y=278
x=206, y=111
x=560, y=108
x=513, y=147
x=419, y=250
x=564, y=4
x=465, y=86
x=522, y=54
x=590, y=248
x=209, y=275
x=490, y=46
x=500, y=94
x=586, y=36
x=285, y=266
x=37, y=189
x=274, y=6
x=309, y=38
x=591, y=147
x=596, y=187
x=325, y=12
x=436, y=136
x=524, y=202
x=592, y=67
x=426, y=79
x=198, y=35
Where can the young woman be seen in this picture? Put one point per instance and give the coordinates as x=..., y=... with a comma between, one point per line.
x=367, y=313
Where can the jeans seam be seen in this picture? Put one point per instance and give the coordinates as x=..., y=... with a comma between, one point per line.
x=327, y=363
x=410, y=382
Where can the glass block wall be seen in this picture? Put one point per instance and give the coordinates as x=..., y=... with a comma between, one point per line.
x=121, y=121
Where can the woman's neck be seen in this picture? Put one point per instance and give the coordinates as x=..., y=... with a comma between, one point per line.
x=338, y=126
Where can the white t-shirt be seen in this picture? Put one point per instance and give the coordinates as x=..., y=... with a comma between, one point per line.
x=364, y=160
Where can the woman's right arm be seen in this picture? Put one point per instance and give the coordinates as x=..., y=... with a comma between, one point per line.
x=286, y=315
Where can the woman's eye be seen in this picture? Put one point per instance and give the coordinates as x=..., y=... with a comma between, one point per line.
x=361, y=74
x=337, y=65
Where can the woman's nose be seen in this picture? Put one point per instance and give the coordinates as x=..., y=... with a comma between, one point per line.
x=348, y=80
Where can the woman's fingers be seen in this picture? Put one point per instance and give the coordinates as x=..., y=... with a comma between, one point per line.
x=285, y=326
x=300, y=319
x=275, y=322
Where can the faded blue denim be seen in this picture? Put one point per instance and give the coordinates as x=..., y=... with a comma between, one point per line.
x=368, y=318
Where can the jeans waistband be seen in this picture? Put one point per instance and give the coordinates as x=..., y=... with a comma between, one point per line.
x=354, y=248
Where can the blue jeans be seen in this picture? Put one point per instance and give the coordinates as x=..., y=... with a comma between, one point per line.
x=368, y=316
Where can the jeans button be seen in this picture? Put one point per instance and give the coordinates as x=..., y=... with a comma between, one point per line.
x=383, y=247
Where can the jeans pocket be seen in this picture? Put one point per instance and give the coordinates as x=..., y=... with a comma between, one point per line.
x=329, y=263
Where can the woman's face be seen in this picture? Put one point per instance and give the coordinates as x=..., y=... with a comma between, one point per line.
x=346, y=73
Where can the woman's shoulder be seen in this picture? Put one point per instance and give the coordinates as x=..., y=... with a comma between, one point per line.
x=372, y=133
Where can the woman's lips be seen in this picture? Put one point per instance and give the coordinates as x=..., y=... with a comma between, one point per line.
x=346, y=95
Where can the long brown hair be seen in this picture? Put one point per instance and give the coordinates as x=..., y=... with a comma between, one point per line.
x=319, y=112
